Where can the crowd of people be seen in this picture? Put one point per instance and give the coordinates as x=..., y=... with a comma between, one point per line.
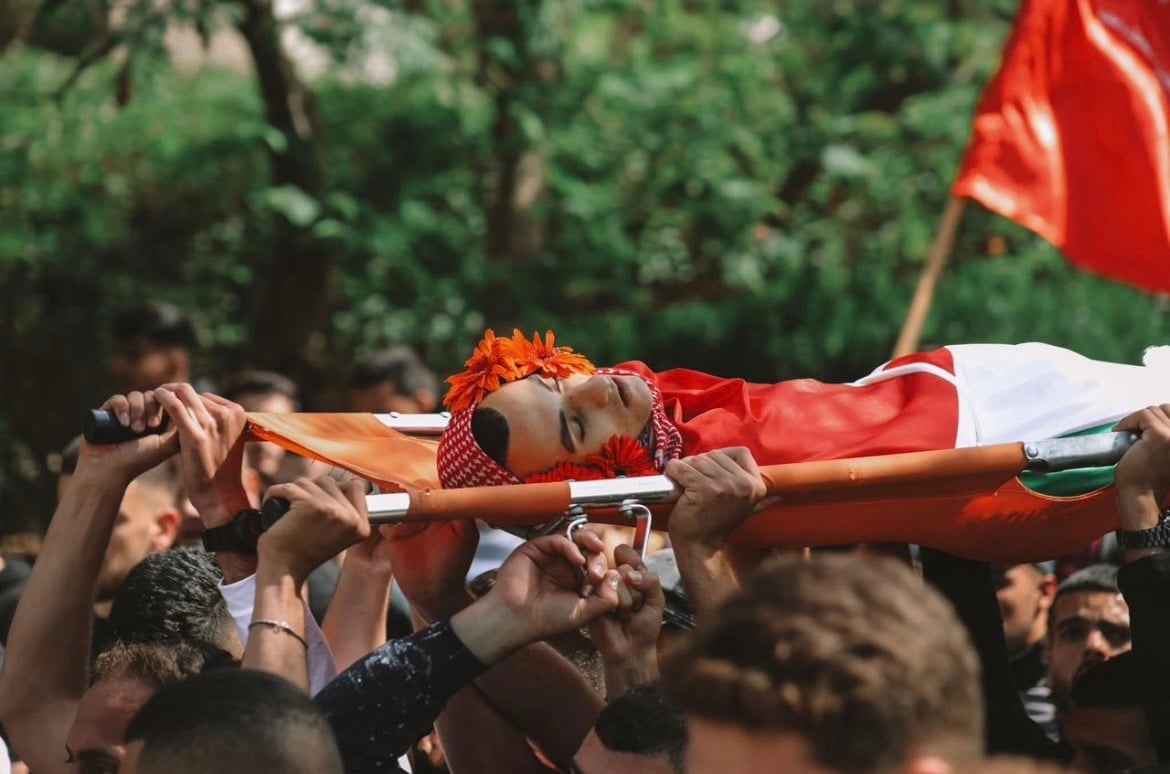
x=151, y=634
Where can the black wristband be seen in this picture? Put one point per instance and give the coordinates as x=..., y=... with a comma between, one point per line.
x=239, y=535
x=1154, y=537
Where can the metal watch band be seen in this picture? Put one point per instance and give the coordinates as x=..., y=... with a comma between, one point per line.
x=1155, y=537
x=238, y=535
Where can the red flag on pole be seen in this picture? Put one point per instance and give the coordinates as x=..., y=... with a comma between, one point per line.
x=1070, y=138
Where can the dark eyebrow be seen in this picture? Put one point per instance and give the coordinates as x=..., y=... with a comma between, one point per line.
x=566, y=437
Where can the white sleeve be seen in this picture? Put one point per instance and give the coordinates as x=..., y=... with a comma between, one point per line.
x=241, y=598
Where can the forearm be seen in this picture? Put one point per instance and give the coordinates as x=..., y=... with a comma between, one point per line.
x=1146, y=586
x=570, y=707
x=271, y=648
x=479, y=740
x=383, y=703
x=707, y=573
x=356, y=621
x=621, y=676
x=46, y=665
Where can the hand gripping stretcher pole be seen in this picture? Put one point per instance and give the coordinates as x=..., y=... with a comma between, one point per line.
x=886, y=498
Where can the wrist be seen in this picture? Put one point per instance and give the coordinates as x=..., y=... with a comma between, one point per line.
x=273, y=564
x=94, y=476
x=490, y=630
x=1138, y=510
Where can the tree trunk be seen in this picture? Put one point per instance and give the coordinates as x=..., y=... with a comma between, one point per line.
x=293, y=301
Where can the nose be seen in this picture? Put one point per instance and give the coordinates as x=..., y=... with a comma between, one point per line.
x=594, y=391
x=1096, y=645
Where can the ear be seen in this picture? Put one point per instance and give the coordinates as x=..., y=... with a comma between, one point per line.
x=166, y=529
x=928, y=764
x=1047, y=592
x=426, y=400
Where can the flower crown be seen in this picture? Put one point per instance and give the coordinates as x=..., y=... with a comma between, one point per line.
x=498, y=361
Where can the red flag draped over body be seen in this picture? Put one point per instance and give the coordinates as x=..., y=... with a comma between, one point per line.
x=1070, y=139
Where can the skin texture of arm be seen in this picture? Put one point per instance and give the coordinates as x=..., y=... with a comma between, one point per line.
x=628, y=638
x=324, y=518
x=211, y=437
x=356, y=621
x=46, y=665
x=720, y=489
x=1143, y=479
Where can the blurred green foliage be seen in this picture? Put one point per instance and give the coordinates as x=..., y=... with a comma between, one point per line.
x=739, y=186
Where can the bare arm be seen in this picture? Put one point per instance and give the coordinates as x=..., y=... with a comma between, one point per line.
x=323, y=520
x=46, y=665
x=720, y=490
x=356, y=621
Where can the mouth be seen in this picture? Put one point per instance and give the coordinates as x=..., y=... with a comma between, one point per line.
x=623, y=395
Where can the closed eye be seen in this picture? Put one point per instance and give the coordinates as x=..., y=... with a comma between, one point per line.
x=580, y=428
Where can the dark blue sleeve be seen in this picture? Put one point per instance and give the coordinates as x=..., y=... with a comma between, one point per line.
x=382, y=704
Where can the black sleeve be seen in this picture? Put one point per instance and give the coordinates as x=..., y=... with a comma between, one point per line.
x=379, y=706
x=968, y=586
x=1146, y=586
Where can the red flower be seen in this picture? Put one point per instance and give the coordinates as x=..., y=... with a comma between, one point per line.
x=623, y=456
x=564, y=471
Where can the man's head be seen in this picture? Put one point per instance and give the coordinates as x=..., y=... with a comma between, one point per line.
x=239, y=720
x=124, y=678
x=393, y=379
x=640, y=731
x=532, y=411
x=1106, y=725
x=838, y=664
x=152, y=346
x=1088, y=621
x=148, y=521
x=263, y=392
x=173, y=596
x=1025, y=593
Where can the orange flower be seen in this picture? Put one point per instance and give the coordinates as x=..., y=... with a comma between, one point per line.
x=545, y=358
x=622, y=456
x=486, y=369
x=497, y=361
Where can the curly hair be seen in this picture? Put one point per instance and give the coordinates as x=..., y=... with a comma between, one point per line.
x=856, y=655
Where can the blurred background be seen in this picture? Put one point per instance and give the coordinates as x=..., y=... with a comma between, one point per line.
x=747, y=187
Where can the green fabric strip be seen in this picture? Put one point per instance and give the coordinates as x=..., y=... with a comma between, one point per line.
x=1071, y=483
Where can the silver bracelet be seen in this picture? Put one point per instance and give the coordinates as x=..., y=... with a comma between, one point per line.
x=282, y=626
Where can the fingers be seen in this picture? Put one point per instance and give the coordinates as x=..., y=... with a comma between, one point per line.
x=136, y=410
x=592, y=548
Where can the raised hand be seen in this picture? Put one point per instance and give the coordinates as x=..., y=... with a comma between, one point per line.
x=211, y=441
x=549, y=586
x=720, y=489
x=627, y=638
x=123, y=462
x=1143, y=475
x=324, y=519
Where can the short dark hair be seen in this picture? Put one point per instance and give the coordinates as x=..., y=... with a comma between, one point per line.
x=401, y=366
x=238, y=720
x=1114, y=683
x=1096, y=578
x=173, y=596
x=154, y=663
x=243, y=384
x=644, y=721
x=854, y=654
x=160, y=323
x=489, y=428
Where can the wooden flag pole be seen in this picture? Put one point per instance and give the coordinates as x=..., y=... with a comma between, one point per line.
x=936, y=260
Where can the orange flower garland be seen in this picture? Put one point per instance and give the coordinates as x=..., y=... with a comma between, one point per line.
x=498, y=361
